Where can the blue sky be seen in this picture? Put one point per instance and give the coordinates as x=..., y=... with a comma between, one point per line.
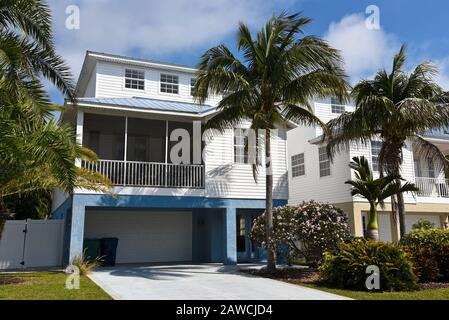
x=181, y=30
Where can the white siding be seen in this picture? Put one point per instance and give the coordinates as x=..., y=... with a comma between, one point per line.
x=311, y=186
x=110, y=84
x=227, y=179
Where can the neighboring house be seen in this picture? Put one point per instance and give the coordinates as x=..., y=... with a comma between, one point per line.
x=199, y=210
x=313, y=176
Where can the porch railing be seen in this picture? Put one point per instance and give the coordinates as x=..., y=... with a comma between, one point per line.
x=149, y=174
x=432, y=187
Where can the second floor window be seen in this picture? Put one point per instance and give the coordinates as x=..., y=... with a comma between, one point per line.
x=298, y=166
x=192, y=86
x=337, y=106
x=375, y=151
x=134, y=79
x=169, y=83
x=243, y=152
x=325, y=163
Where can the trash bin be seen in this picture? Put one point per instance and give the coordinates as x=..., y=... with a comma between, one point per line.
x=108, y=251
x=91, y=248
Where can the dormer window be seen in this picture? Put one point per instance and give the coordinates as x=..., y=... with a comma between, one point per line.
x=134, y=79
x=169, y=83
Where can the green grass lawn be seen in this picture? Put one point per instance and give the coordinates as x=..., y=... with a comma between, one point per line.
x=432, y=294
x=49, y=286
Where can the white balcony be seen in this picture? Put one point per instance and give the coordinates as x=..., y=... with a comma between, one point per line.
x=432, y=187
x=149, y=174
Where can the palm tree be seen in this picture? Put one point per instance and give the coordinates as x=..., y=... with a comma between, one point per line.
x=395, y=107
x=28, y=54
x=277, y=72
x=375, y=190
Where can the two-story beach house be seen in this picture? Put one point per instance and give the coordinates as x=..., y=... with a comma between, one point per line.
x=313, y=176
x=130, y=112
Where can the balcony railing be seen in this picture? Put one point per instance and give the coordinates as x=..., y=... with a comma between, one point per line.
x=432, y=187
x=149, y=174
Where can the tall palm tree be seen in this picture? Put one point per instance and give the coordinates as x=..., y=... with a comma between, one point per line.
x=375, y=190
x=278, y=71
x=395, y=107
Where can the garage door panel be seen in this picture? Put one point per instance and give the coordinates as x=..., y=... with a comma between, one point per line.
x=144, y=236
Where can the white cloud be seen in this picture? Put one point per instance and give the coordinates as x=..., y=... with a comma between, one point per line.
x=364, y=50
x=151, y=28
x=443, y=76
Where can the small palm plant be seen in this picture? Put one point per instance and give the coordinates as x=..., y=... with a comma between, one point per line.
x=375, y=190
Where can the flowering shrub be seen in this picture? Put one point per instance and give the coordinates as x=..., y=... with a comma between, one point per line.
x=309, y=229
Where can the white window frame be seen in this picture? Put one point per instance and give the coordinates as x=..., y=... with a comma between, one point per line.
x=125, y=78
x=298, y=165
x=169, y=84
x=242, y=145
x=417, y=167
x=324, y=162
x=375, y=155
x=337, y=107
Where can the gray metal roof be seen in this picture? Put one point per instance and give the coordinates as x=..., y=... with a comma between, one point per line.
x=150, y=104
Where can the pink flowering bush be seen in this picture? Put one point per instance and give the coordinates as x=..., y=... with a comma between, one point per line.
x=309, y=229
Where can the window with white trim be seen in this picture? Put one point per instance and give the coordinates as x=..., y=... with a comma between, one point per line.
x=325, y=163
x=192, y=86
x=298, y=165
x=375, y=151
x=337, y=106
x=418, y=172
x=134, y=79
x=169, y=83
x=242, y=148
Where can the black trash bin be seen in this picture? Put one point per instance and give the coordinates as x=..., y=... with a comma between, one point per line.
x=91, y=248
x=108, y=251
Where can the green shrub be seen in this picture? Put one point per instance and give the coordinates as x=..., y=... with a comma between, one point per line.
x=425, y=265
x=436, y=242
x=423, y=225
x=346, y=268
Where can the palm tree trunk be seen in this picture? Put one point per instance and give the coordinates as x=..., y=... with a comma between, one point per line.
x=373, y=224
x=271, y=263
x=401, y=213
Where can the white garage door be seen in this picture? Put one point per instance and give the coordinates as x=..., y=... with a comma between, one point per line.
x=411, y=219
x=144, y=236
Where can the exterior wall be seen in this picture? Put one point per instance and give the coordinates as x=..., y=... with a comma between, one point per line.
x=226, y=179
x=311, y=186
x=111, y=84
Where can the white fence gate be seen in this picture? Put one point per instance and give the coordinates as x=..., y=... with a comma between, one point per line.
x=31, y=244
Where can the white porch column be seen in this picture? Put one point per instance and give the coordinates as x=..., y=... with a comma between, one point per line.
x=79, y=132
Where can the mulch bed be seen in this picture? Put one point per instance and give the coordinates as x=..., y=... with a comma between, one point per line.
x=310, y=275
x=433, y=285
x=4, y=281
x=291, y=275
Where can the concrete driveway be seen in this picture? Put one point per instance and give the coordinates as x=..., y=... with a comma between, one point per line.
x=197, y=282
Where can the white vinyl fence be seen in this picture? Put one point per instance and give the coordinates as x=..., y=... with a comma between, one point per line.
x=31, y=244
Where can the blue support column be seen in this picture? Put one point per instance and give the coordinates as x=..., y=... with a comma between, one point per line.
x=230, y=237
x=77, y=228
